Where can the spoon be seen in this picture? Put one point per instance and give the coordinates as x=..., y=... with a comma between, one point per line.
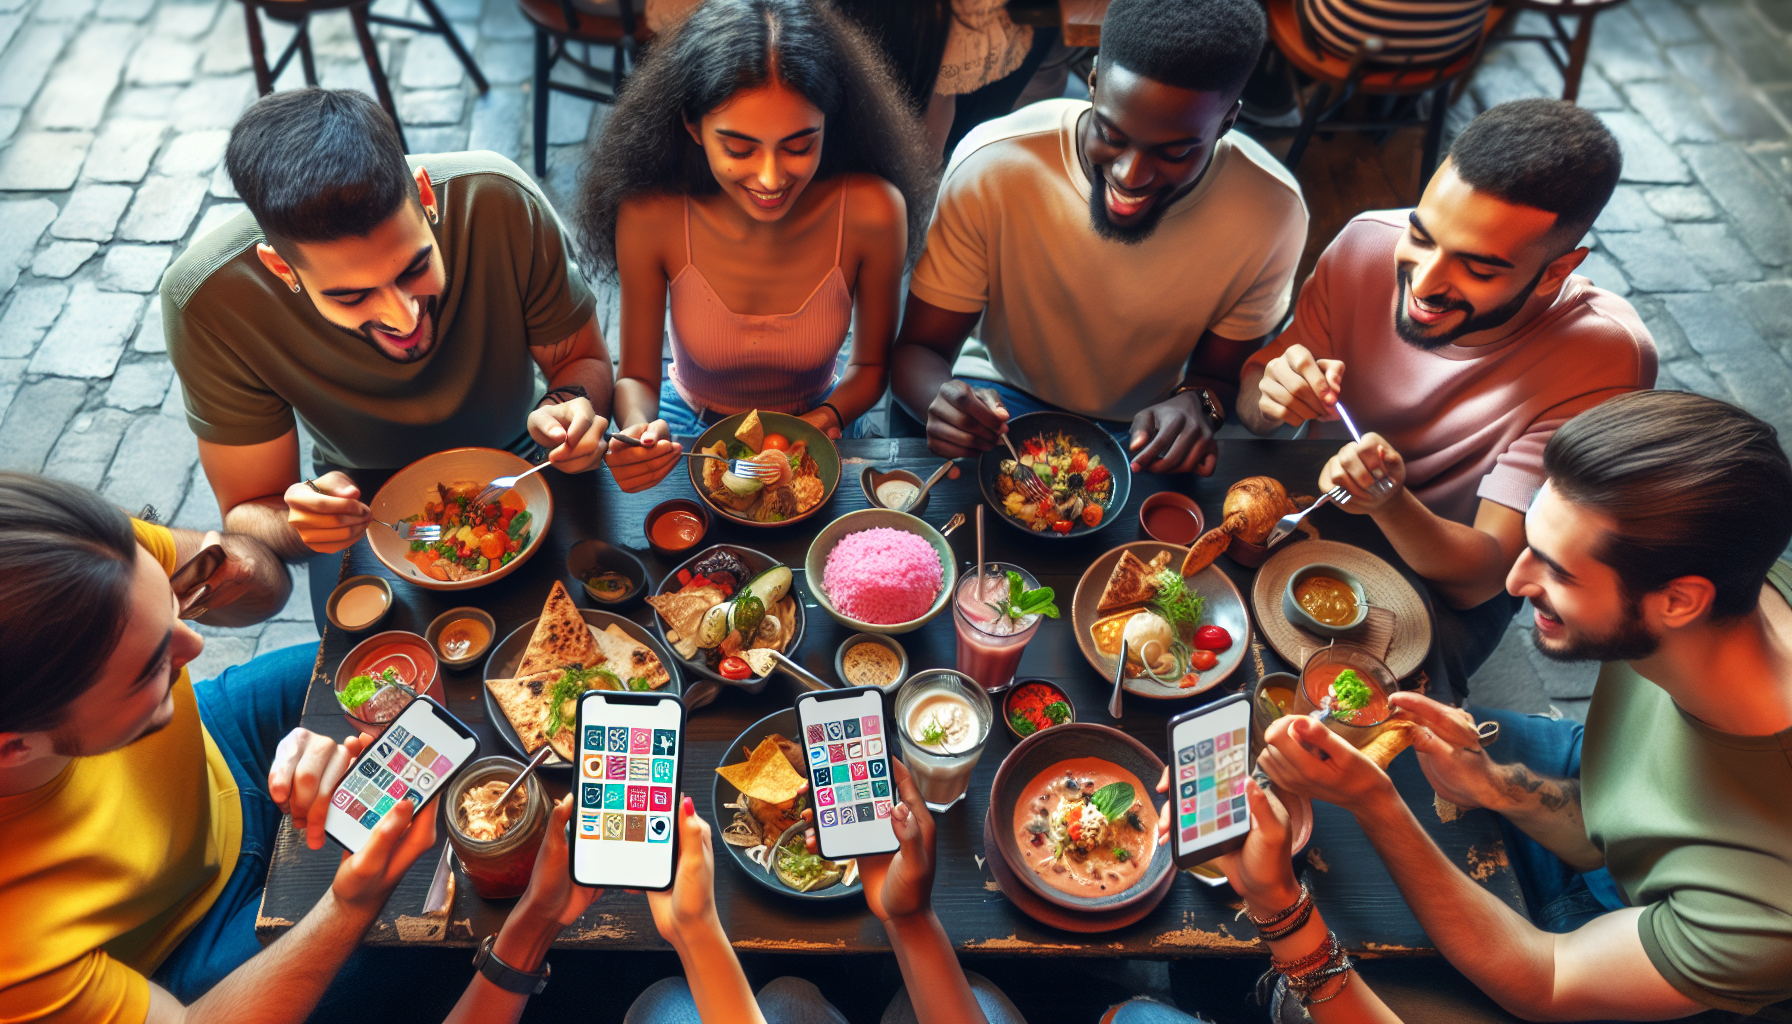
x=1119, y=675
x=528, y=770
x=928, y=486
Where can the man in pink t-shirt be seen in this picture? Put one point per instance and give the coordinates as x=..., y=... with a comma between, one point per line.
x=1468, y=340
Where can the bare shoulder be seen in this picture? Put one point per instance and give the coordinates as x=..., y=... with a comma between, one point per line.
x=649, y=211
x=873, y=204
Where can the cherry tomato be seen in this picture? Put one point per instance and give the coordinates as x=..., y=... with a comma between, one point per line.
x=1079, y=462
x=734, y=668
x=1192, y=679
x=1212, y=638
x=684, y=577
x=1203, y=660
x=492, y=546
x=1097, y=477
x=1062, y=526
x=1091, y=514
x=775, y=443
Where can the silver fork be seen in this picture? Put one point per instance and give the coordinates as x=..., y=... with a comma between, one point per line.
x=1029, y=481
x=428, y=533
x=746, y=469
x=504, y=483
x=1291, y=522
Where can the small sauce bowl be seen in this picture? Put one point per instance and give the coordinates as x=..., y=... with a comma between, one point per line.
x=591, y=558
x=1172, y=518
x=871, y=479
x=882, y=641
x=1021, y=684
x=1299, y=616
x=332, y=609
x=473, y=653
x=676, y=554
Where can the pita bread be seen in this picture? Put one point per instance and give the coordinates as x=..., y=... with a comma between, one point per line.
x=683, y=611
x=1205, y=549
x=629, y=658
x=751, y=432
x=524, y=701
x=562, y=639
x=1129, y=583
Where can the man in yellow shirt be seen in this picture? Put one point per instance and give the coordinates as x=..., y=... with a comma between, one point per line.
x=137, y=810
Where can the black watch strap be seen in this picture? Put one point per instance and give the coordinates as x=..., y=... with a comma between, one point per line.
x=505, y=976
x=564, y=393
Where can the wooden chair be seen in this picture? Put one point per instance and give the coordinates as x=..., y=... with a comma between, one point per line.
x=1346, y=78
x=298, y=14
x=560, y=23
x=1568, y=52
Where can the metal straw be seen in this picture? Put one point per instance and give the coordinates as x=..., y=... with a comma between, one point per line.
x=980, y=566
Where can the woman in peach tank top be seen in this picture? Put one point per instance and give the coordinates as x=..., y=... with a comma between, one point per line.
x=762, y=181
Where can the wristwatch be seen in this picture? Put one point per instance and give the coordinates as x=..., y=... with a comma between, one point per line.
x=1210, y=404
x=505, y=976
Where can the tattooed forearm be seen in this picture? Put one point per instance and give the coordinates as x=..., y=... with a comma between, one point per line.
x=1554, y=795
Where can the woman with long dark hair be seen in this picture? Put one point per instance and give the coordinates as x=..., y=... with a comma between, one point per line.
x=762, y=177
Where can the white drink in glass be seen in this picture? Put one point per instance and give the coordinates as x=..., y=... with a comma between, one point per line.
x=942, y=720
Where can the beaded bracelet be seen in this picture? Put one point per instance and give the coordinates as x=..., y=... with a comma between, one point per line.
x=1304, y=900
x=1298, y=968
x=1282, y=932
x=1308, y=1000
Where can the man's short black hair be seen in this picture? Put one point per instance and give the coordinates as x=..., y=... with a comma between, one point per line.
x=315, y=165
x=1204, y=45
x=1545, y=154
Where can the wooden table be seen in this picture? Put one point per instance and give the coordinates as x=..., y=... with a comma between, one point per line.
x=1359, y=899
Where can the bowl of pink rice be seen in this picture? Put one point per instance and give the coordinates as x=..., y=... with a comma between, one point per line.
x=880, y=571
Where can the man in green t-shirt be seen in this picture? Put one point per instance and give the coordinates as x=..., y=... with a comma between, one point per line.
x=1654, y=848
x=395, y=311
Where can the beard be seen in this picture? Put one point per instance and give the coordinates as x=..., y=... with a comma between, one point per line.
x=1129, y=234
x=424, y=345
x=1418, y=337
x=1630, y=640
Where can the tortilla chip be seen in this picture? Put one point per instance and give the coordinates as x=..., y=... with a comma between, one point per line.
x=1129, y=583
x=562, y=639
x=683, y=610
x=766, y=775
x=524, y=701
x=751, y=432
x=1108, y=632
x=631, y=659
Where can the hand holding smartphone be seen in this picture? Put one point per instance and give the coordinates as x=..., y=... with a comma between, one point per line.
x=847, y=741
x=1210, y=759
x=631, y=753
x=412, y=760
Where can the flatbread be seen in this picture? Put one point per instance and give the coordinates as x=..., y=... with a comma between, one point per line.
x=751, y=432
x=683, y=611
x=766, y=775
x=1108, y=632
x=562, y=639
x=629, y=658
x=524, y=701
x=1129, y=583
x=1388, y=745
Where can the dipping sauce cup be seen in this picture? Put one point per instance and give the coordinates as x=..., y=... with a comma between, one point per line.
x=956, y=711
x=675, y=527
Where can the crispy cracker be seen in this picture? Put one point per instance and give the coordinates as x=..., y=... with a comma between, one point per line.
x=751, y=432
x=766, y=775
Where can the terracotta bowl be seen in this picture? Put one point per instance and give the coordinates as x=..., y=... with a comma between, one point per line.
x=409, y=488
x=1039, y=752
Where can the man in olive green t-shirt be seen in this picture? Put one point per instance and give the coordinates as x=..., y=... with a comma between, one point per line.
x=396, y=310
x=1654, y=849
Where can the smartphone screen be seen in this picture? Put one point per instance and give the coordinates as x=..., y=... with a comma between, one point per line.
x=413, y=759
x=631, y=747
x=849, y=770
x=1210, y=751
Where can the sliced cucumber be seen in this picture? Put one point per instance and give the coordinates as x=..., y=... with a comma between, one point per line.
x=714, y=626
x=769, y=586
x=740, y=484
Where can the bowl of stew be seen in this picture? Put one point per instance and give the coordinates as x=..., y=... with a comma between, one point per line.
x=1325, y=599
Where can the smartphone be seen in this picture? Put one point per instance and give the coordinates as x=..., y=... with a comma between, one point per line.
x=631, y=750
x=412, y=760
x=189, y=581
x=848, y=745
x=1210, y=757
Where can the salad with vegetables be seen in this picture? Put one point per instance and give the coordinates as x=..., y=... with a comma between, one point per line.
x=1080, y=485
x=476, y=538
x=721, y=610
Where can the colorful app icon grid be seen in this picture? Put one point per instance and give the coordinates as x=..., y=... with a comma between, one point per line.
x=848, y=770
x=632, y=770
x=1210, y=785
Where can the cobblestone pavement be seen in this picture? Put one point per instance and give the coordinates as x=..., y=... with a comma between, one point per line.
x=114, y=115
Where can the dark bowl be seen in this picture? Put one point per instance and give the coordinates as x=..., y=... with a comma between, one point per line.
x=723, y=792
x=756, y=562
x=671, y=505
x=591, y=557
x=1083, y=433
x=1008, y=701
x=821, y=449
x=1175, y=500
x=1040, y=751
x=507, y=654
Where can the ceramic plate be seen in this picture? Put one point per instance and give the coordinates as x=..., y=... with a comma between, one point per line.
x=1225, y=608
x=1082, y=433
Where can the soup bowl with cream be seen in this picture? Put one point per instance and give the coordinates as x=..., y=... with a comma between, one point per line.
x=1074, y=813
x=1325, y=599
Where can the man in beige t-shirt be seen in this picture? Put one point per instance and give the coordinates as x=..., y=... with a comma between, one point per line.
x=1124, y=256
x=397, y=310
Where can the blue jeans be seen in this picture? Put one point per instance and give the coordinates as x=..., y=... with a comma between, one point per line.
x=796, y=1001
x=688, y=422
x=1019, y=403
x=1559, y=898
x=247, y=710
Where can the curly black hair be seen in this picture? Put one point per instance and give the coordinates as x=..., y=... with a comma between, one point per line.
x=729, y=45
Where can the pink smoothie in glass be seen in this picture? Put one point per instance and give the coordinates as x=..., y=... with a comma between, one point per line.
x=990, y=644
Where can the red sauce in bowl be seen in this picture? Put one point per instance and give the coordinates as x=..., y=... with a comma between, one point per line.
x=677, y=529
